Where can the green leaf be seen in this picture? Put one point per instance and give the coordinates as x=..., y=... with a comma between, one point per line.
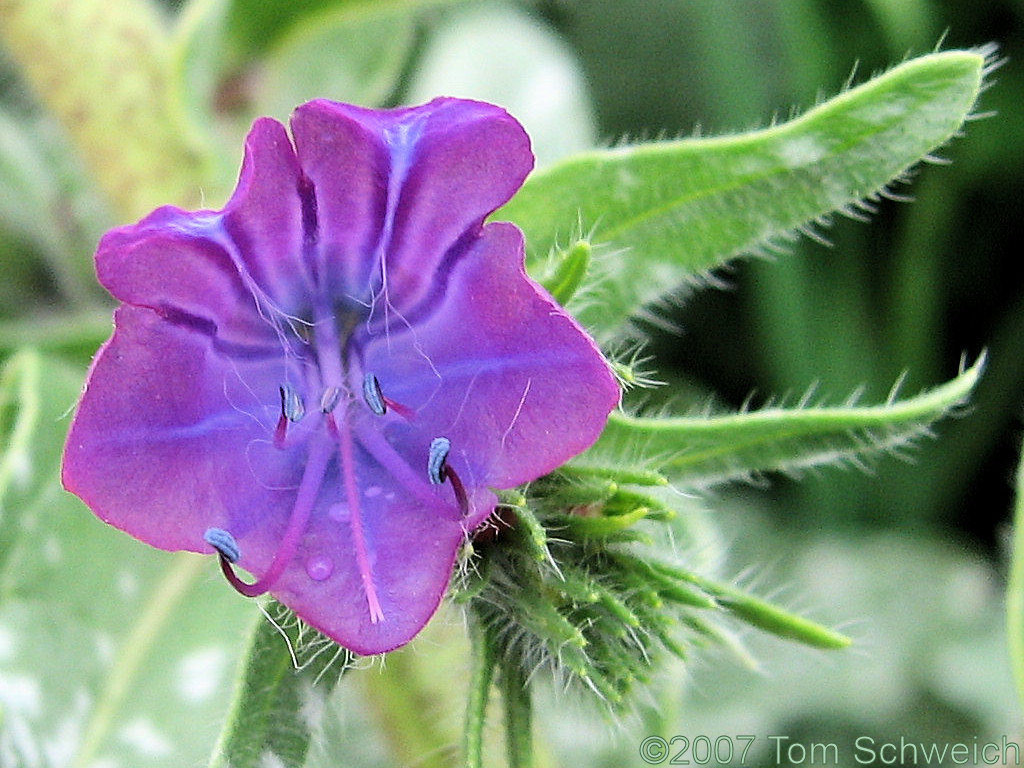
x=110, y=651
x=78, y=332
x=662, y=213
x=287, y=674
x=761, y=614
x=254, y=26
x=200, y=88
x=234, y=60
x=705, y=450
x=1015, y=590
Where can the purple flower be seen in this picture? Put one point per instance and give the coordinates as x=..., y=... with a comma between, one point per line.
x=326, y=380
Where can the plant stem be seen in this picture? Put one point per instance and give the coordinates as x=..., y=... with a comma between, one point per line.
x=482, y=661
x=518, y=735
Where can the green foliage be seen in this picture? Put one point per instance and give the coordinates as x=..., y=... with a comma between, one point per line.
x=46, y=204
x=1015, y=591
x=704, y=450
x=584, y=592
x=235, y=60
x=102, y=70
x=667, y=212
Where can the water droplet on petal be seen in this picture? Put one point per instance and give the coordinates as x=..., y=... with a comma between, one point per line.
x=338, y=512
x=373, y=490
x=319, y=568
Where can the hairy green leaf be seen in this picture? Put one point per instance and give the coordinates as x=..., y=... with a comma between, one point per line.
x=662, y=213
x=705, y=450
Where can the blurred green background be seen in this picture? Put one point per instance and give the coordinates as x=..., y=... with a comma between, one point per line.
x=910, y=555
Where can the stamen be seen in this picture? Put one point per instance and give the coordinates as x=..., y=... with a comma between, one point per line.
x=437, y=467
x=460, y=490
x=292, y=407
x=402, y=410
x=373, y=396
x=380, y=403
x=329, y=399
x=292, y=410
x=438, y=470
x=348, y=472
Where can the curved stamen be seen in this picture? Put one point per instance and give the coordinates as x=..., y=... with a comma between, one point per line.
x=305, y=498
x=373, y=396
x=224, y=543
x=438, y=470
x=292, y=410
x=440, y=447
x=459, y=489
x=379, y=403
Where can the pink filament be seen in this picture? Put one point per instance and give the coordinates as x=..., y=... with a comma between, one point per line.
x=309, y=489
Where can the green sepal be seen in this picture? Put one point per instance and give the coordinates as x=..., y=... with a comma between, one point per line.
x=668, y=585
x=758, y=612
x=626, y=475
x=569, y=270
x=599, y=526
x=531, y=532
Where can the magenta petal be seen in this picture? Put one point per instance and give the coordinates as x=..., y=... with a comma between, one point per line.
x=412, y=549
x=348, y=165
x=162, y=445
x=498, y=368
x=182, y=272
x=397, y=189
x=264, y=217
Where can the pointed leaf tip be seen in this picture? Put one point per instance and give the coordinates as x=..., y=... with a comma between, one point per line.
x=667, y=212
x=709, y=450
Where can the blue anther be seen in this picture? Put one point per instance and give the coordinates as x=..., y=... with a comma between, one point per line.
x=440, y=447
x=291, y=403
x=372, y=394
x=224, y=543
x=329, y=399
